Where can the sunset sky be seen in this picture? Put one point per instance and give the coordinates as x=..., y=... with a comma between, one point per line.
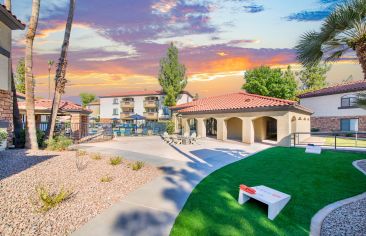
x=116, y=45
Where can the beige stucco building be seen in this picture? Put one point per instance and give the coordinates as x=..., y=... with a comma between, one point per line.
x=244, y=117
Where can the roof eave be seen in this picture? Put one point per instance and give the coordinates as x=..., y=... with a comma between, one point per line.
x=9, y=20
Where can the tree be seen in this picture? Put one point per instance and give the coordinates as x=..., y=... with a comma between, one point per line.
x=30, y=137
x=86, y=98
x=271, y=82
x=362, y=100
x=343, y=30
x=60, y=79
x=314, y=77
x=20, y=76
x=172, y=75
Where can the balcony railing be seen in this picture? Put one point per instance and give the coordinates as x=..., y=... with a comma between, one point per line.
x=129, y=104
x=150, y=103
x=125, y=115
x=151, y=115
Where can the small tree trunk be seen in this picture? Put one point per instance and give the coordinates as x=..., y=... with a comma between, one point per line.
x=361, y=55
x=61, y=72
x=31, y=135
x=16, y=115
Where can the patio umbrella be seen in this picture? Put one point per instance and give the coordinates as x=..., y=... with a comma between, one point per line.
x=137, y=117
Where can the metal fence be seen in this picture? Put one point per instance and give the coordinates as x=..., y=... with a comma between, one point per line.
x=330, y=139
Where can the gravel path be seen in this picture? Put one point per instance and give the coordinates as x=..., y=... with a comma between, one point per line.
x=21, y=172
x=346, y=220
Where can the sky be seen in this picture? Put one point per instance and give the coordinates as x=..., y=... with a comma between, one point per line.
x=116, y=45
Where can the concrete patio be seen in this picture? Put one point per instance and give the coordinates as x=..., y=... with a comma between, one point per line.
x=152, y=209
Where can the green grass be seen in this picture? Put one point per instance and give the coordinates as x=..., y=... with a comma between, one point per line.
x=313, y=181
x=345, y=142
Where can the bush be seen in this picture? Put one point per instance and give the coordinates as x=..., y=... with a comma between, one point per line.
x=59, y=143
x=96, y=156
x=3, y=135
x=315, y=129
x=40, y=138
x=170, y=127
x=48, y=200
x=115, y=160
x=106, y=179
x=137, y=165
x=80, y=153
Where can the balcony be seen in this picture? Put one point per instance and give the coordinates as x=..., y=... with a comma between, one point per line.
x=126, y=115
x=127, y=104
x=150, y=104
x=151, y=115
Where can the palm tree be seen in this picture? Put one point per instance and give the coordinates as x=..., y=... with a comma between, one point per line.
x=342, y=31
x=31, y=137
x=61, y=72
x=50, y=64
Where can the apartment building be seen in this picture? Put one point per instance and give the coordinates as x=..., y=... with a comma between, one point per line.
x=335, y=107
x=8, y=22
x=149, y=104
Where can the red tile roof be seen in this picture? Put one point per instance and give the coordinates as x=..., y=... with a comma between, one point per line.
x=139, y=93
x=235, y=102
x=354, y=86
x=46, y=105
x=12, y=16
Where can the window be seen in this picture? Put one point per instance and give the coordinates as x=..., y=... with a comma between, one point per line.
x=349, y=124
x=115, y=111
x=349, y=101
x=115, y=100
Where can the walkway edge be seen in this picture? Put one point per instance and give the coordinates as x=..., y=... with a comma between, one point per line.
x=355, y=164
x=318, y=218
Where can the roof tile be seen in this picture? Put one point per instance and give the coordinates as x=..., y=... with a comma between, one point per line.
x=338, y=88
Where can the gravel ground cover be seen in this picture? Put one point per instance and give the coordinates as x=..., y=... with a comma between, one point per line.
x=22, y=171
x=346, y=220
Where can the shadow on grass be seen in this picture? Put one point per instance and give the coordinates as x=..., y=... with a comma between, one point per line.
x=16, y=161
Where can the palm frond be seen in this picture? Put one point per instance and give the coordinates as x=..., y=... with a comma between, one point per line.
x=309, y=48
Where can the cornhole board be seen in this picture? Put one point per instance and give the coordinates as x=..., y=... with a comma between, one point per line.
x=275, y=200
x=311, y=148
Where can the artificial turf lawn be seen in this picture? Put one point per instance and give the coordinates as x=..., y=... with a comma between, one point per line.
x=313, y=181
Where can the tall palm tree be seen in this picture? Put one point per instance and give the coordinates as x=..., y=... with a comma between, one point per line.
x=342, y=31
x=50, y=64
x=31, y=137
x=60, y=79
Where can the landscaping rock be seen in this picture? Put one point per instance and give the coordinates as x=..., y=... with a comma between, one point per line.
x=21, y=171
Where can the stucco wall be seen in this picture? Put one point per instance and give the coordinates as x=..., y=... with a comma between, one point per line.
x=329, y=106
x=234, y=128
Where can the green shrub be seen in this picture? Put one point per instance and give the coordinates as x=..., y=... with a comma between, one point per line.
x=137, y=165
x=96, y=156
x=115, y=160
x=40, y=138
x=3, y=135
x=106, y=179
x=59, y=143
x=170, y=127
x=47, y=200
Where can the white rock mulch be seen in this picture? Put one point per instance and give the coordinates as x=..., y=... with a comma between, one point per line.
x=21, y=171
x=349, y=219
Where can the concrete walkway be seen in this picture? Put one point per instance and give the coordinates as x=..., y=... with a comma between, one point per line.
x=152, y=209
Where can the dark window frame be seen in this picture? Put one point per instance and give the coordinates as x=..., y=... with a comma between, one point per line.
x=348, y=102
x=349, y=124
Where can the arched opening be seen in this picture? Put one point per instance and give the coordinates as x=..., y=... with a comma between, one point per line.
x=234, y=128
x=192, y=126
x=265, y=128
x=211, y=127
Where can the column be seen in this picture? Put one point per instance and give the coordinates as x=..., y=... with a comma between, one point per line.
x=248, y=130
x=221, y=129
x=201, y=127
x=283, y=130
x=76, y=124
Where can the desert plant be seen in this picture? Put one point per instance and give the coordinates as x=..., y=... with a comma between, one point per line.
x=3, y=135
x=47, y=199
x=81, y=163
x=59, y=143
x=96, y=156
x=115, y=160
x=137, y=165
x=170, y=127
x=80, y=153
x=106, y=179
x=40, y=138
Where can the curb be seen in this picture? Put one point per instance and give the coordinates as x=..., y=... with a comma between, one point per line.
x=355, y=164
